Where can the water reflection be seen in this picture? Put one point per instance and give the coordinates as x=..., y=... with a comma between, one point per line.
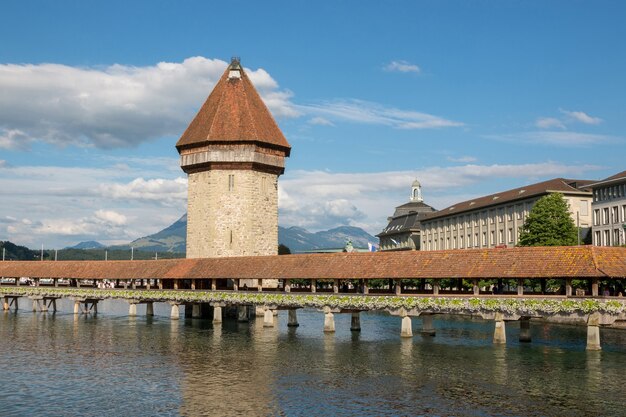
x=148, y=366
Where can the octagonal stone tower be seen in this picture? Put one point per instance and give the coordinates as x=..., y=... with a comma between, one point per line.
x=233, y=153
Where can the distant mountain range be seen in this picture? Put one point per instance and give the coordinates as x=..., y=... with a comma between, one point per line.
x=174, y=239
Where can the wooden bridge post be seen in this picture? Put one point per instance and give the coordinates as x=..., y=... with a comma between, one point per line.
x=499, y=334
x=524, y=330
x=435, y=286
x=594, y=287
x=520, y=286
x=287, y=285
x=293, y=318
x=132, y=284
x=56, y=282
x=568, y=287
x=160, y=283
x=366, y=289
x=335, y=286
x=176, y=284
x=475, y=287
x=235, y=285
x=355, y=322
x=397, y=286
x=214, y=285
x=193, y=284
x=313, y=285
x=427, y=325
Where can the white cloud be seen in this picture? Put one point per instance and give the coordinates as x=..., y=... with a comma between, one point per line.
x=463, y=159
x=3, y=163
x=360, y=111
x=401, y=66
x=158, y=190
x=581, y=117
x=115, y=106
x=320, y=200
x=320, y=121
x=112, y=217
x=549, y=122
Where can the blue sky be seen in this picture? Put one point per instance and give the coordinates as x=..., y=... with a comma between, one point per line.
x=471, y=98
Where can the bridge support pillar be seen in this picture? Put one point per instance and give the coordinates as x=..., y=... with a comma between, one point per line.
x=329, y=322
x=150, y=309
x=427, y=325
x=76, y=307
x=195, y=311
x=132, y=309
x=355, y=322
x=524, y=330
x=293, y=318
x=175, y=312
x=499, y=334
x=475, y=287
x=520, y=287
x=5, y=304
x=268, y=318
x=217, y=314
x=242, y=314
x=593, y=332
x=407, y=327
x=36, y=306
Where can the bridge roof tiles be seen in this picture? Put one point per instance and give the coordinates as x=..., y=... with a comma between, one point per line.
x=537, y=262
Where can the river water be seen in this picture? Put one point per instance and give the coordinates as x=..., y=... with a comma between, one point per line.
x=111, y=364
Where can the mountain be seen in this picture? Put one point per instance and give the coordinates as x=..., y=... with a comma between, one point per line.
x=12, y=252
x=174, y=238
x=171, y=239
x=298, y=239
x=87, y=245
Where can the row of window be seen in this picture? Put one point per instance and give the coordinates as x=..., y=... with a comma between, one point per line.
x=609, y=215
x=609, y=237
x=434, y=242
x=609, y=193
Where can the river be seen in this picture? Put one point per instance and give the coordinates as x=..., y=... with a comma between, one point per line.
x=112, y=364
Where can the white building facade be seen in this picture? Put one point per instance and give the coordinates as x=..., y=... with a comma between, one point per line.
x=496, y=221
x=609, y=211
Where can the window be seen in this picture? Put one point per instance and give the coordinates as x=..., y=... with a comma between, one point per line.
x=624, y=213
x=475, y=239
x=510, y=235
x=605, y=215
x=484, y=238
x=231, y=182
x=616, y=236
x=492, y=216
x=519, y=209
x=615, y=215
x=607, y=238
x=492, y=237
x=500, y=236
x=509, y=213
x=596, y=239
x=596, y=217
x=500, y=215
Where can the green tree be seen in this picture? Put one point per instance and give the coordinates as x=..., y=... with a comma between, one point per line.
x=283, y=250
x=549, y=224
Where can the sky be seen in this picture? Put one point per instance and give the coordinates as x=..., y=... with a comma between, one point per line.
x=470, y=98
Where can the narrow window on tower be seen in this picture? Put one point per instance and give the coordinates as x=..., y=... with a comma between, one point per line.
x=231, y=182
x=231, y=237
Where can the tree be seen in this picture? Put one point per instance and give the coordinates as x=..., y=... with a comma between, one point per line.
x=283, y=250
x=549, y=224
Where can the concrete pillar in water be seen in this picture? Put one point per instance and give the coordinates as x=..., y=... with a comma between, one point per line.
x=43, y=306
x=524, y=330
x=132, y=309
x=593, y=332
x=268, y=318
x=5, y=304
x=76, y=307
x=427, y=325
x=407, y=327
x=35, y=305
x=217, y=314
x=329, y=321
x=195, y=311
x=175, y=313
x=499, y=334
x=150, y=308
x=242, y=314
x=355, y=323
x=293, y=318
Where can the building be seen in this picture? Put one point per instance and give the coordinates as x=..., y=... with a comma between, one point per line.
x=233, y=153
x=403, y=230
x=609, y=211
x=496, y=220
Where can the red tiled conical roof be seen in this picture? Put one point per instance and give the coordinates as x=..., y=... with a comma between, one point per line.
x=233, y=112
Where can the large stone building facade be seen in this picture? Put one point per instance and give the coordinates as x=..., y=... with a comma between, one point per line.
x=403, y=230
x=233, y=153
x=496, y=220
x=609, y=211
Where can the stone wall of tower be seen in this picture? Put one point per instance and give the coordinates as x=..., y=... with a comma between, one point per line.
x=232, y=213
